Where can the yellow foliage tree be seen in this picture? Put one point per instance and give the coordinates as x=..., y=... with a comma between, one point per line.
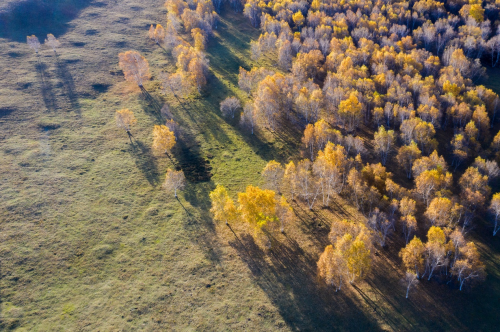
x=163, y=139
x=357, y=254
x=332, y=267
x=350, y=112
x=298, y=19
x=257, y=207
x=412, y=256
x=223, y=207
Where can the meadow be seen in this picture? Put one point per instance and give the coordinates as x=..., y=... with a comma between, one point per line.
x=89, y=241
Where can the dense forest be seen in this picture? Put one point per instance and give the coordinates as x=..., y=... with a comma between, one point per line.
x=400, y=72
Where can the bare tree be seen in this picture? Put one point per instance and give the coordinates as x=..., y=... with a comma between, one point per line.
x=52, y=42
x=410, y=280
x=381, y=225
x=125, y=119
x=174, y=181
x=248, y=117
x=33, y=43
x=229, y=106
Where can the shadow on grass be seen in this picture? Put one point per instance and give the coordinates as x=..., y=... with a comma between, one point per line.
x=222, y=59
x=46, y=87
x=65, y=76
x=145, y=161
x=39, y=17
x=150, y=105
x=289, y=279
x=200, y=225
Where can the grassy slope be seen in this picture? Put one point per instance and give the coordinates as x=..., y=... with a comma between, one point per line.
x=89, y=241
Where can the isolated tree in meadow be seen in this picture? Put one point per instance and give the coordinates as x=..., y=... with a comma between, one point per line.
x=125, y=119
x=223, y=207
x=157, y=34
x=332, y=267
x=163, y=139
x=135, y=67
x=469, y=267
x=33, y=43
x=383, y=142
x=412, y=256
x=273, y=172
x=229, y=106
x=407, y=155
x=174, y=180
x=495, y=211
x=52, y=42
x=410, y=281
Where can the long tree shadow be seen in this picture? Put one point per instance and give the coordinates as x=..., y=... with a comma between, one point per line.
x=150, y=105
x=46, y=88
x=65, y=76
x=289, y=279
x=145, y=161
x=40, y=17
x=200, y=224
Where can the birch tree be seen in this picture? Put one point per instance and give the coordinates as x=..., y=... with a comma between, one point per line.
x=174, y=180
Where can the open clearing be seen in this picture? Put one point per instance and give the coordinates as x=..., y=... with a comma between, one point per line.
x=89, y=241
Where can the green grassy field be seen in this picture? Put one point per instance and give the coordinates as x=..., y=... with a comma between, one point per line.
x=89, y=241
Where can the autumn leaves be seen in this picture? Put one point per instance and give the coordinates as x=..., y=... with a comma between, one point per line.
x=136, y=70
